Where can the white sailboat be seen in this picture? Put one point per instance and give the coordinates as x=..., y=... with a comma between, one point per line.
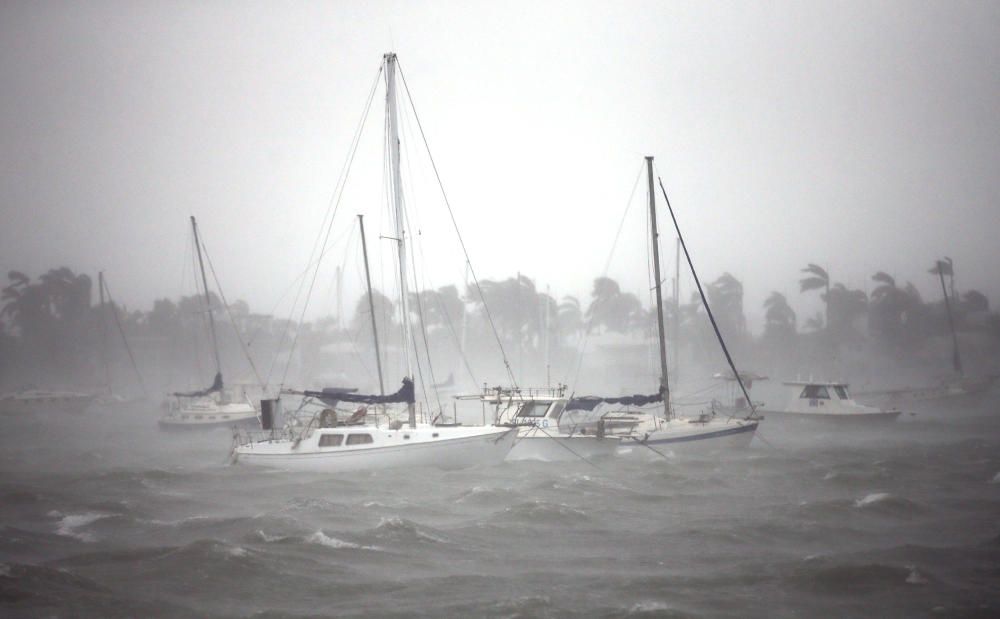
x=639, y=428
x=371, y=443
x=218, y=405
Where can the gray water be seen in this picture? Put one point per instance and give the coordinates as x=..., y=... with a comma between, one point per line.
x=104, y=516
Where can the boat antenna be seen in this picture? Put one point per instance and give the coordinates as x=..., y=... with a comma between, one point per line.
x=397, y=199
x=941, y=267
x=208, y=300
x=704, y=301
x=664, y=385
x=371, y=304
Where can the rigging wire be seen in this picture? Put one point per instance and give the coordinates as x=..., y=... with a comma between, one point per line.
x=121, y=330
x=708, y=308
x=607, y=266
x=232, y=321
x=333, y=208
x=461, y=241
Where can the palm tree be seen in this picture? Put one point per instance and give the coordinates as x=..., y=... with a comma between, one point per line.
x=818, y=278
x=779, y=318
x=725, y=296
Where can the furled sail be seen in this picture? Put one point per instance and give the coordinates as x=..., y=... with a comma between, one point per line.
x=216, y=386
x=405, y=394
x=588, y=403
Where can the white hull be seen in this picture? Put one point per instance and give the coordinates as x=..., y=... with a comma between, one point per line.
x=861, y=418
x=688, y=436
x=429, y=446
x=204, y=417
x=533, y=444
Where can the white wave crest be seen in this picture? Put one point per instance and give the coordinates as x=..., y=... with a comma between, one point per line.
x=996, y=479
x=872, y=499
x=915, y=577
x=332, y=542
x=69, y=524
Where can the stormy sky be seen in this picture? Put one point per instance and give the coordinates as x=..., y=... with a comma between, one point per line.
x=862, y=136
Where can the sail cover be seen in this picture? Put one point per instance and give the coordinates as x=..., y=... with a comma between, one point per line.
x=216, y=386
x=588, y=403
x=405, y=394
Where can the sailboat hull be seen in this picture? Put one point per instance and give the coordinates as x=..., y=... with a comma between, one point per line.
x=690, y=436
x=449, y=448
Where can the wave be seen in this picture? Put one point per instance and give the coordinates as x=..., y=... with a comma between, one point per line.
x=323, y=539
x=543, y=512
x=69, y=525
x=394, y=528
x=888, y=503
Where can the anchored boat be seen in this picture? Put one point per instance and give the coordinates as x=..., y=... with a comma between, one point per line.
x=828, y=403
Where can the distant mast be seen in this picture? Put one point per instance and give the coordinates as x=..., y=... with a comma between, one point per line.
x=664, y=385
x=397, y=199
x=371, y=304
x=208, y=300
x=956, y=358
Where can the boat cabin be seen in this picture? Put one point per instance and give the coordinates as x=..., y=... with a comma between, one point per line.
x=819, y=396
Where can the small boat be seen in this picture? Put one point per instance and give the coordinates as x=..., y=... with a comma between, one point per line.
x=827, y=403
x=216, y=406
x=42, y=401
x=543, y=432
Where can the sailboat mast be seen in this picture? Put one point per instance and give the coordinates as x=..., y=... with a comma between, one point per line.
x=397, y=199
x=371, y=305
x=664, y=385
x=677, y=312
x=956, y=358
x=208, y=300
x=104, y=332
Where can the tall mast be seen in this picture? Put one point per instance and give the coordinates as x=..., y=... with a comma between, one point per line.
x=104, y=332
x=956, y=359
x=664, y=386
x=397, y=199
x=208, y=300
x=371, y=304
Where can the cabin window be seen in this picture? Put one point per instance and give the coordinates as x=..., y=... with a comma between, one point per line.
x=557, y=410
x=211, y=416
x=359, y=439
x=841, y=392
x=184, y=416
x=225, y=416
x=331, y=440
x=815, y=392
x=533, y=409
x=406, y=436
x=435, y=435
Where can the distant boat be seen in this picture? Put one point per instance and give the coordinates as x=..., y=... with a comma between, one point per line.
x=370, y=439
x=216, y=406
x=34, y=401
x=828, y=403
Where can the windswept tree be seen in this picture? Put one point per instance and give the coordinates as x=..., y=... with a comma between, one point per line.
x=779, y=319
x=570, y=317
x=817, y=279
x=612, y=309
x=725, y=296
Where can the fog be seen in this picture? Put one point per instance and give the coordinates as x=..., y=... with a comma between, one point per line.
x=833, y=169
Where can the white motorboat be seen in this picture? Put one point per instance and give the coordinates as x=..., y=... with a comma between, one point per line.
x=542, y=431
x=829, y=403
x=43, y=401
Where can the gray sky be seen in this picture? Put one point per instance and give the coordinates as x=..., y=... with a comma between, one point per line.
x=862, y=136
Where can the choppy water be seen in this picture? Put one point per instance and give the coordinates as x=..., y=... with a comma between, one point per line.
x=104, y=516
